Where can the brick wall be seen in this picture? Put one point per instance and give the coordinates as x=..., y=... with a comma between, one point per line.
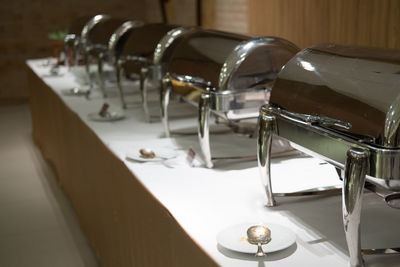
x=24, y=25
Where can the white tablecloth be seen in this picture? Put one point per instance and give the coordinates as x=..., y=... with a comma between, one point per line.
x=205, y=201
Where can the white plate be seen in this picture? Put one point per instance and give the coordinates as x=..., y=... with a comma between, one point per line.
x=235, y=238
x=162, y=154
x=50, y=75
x=111, y=116
x=74, y=92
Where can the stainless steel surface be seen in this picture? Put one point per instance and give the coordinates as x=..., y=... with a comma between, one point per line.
x=332, y=146
x=92, y=23
x=119, y=84
x=317, y=119
x=340, y=104
x=166, y=87
x=234, y=71
x=137, y=52
x=259, y=235
x=249, y=72
x=143, y=90
x=266, y=128
x=119, y=37
x=353, y=187
x=69, y=48
x=245, y=81
x=115, y=47
x=160, y=53
x=151, y=75
x=97, y=46
x=393, y=200
x=81, y=46
x=350, y=84
x=204, y=129
x=325, y=190
x=194, y=62
x=72, y=39
x=201, y=55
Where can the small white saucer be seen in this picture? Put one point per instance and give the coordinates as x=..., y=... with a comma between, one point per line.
x=74, y=92
x=235, y=238
x=162, y=154
x=111, y=116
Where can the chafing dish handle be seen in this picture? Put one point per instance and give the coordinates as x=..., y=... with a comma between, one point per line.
x=312, y=119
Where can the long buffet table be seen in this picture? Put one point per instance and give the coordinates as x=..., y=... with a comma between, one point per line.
x=153, y=214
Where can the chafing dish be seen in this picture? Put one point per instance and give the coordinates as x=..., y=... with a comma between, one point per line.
x=151, y=75
x=134, y=55
x=339, y=103
x=96, y=42
x=72, y=39
x=115, y=45
x=93, y=45
x=80, y=34
x=227, y=74
x=80, y=43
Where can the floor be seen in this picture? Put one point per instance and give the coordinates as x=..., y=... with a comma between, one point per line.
x=38, y=226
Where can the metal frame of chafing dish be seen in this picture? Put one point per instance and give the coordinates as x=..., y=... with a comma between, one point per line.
x=84, y=41
x=361, y=162
x=71, y=41
x=114, y=49
x=81, y=45
x=154, y=72
x=200, y=84
x=225, y=104
x=103, y=54
x=149, y=71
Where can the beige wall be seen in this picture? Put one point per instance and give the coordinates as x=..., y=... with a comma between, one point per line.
x=308, y=22
x=231, y=15
x=182, y=12
x=225, y=15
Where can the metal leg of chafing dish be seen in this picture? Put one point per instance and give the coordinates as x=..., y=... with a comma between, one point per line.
x=118, y=73
x=143, y=90
x=204, y=130
x=101, y=74
x=353, y=186
x=166, y=87
x=87, y=68
x=266, y=126
x=75, y=53
x=67, y=49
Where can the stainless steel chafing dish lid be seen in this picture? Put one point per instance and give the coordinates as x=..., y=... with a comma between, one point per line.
x=77, y=25
x=143, y=40
x=199, y=57
x=119, y=37
x=90, y=25
x=353, y=91
x=255, y=63
x=100, y=34
x=165, y=47
x=247, y=75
